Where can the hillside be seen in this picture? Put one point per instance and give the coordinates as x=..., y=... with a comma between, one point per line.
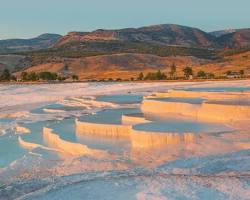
x=114, y=66
x=14, y=62
x=238, y=39
x=127, y=65
x=233, y=62
x=19, y=45
x=222, y=32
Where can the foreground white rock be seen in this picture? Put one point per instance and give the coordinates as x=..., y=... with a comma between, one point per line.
x=66, y=147
x=146, y=139
x=110, y=130
x=28, y=145
x=138, y=138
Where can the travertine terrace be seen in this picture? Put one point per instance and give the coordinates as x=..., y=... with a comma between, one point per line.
x=212, y=112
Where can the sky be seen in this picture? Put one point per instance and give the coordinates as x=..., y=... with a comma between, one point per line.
x=30, y=18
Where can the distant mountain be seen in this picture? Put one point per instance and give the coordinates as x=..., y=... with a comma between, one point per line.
x=238, y=39
x=19, y=45
x=167, y=34
x=222, y=32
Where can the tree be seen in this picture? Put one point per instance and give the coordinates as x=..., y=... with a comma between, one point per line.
x=24, y=76
x=61, y=78
x=48, y=76
x=201, y=74
x=75, y=78
x=173, y=70
x=6, y=75
x=141, y=76
x=210, y=75
x=229, y=72
x=160, y=75
x=155, y=76
x=32, y=76
x=13, y=78
x=188, y=71
x=242, y=73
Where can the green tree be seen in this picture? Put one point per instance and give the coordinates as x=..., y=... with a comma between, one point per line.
x=173, y=70
x=201, y=74
x=75, y=78
x=210, y=75
x=188, y=71
x=13, y=78
x=141, y=76
x=155, y=76
x=229, y=72
x=48, y=76
x=6, y=75
x=24, y=76
x=61, y=78
x=242, y=72
x=32, y=76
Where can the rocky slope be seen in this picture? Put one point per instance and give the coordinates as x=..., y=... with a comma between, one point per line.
x=238, y=39
x=19, y=45
x=167, y=34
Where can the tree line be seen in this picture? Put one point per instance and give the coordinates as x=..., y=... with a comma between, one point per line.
x=33, y=76
x=187, y=72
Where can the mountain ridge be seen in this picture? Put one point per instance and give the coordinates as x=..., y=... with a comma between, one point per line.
x=42, y=41
x=164, y=34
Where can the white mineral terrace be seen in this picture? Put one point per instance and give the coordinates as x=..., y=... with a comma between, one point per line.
x=216, y=106
x=224, y=109
x=74, y=149
x=202, y=94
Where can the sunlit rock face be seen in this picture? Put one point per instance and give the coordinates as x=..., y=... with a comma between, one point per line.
x=145, y=139
x=109, y=130
x=66, y=147
x=27, y=145
x=215, y=107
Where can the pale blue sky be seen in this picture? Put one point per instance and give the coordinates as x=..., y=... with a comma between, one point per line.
x=29, y=18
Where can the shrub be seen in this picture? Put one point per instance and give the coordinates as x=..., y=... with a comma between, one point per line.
x=155, y=76
x=188, y=71
x=6, y=75
x=48, y=76
x=140, y=76
x=201, y=74
x=173, y=70
x=75, y=78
